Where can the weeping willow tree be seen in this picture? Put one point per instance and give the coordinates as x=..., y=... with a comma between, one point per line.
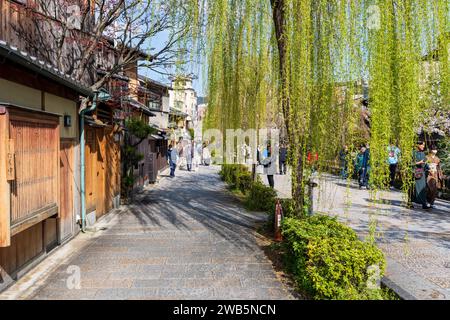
x=408, y=31
x=307, y=59
x=240, y=82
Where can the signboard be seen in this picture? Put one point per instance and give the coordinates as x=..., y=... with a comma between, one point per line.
x=10, y=168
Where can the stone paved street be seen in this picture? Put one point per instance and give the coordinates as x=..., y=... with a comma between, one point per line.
x=185, y=238
x=416, y=242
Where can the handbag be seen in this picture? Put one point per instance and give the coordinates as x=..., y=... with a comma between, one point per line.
x=419, y=173
x=267, y=162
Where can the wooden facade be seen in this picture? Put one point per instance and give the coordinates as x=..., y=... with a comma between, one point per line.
x=35, y=182
x=5, y=167
x=152, y=94
x=31, y=194
x=102, y=170
x=38, y=166
x=66, y=203
x=40, y=157
x=160, y=148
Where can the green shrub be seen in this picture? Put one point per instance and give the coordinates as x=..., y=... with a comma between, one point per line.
x=328, y=260
x=261, y=197
x=237, y=176
x=244, y=182
x=339, y=268
x=230, y=173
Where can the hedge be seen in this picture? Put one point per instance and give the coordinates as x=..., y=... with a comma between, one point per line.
x=261, y=197
x=326, y=257
x=328, y=261
x=258, y=196
x=237, y=176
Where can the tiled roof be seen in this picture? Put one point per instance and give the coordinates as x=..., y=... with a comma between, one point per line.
x=136, y=104
x=45, y=69
x=177, y=112
x=149, y=80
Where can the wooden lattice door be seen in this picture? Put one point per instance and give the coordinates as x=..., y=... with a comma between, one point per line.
x=67, y=172
x=35, y=188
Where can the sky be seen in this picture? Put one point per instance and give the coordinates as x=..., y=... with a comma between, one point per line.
x=196, y=69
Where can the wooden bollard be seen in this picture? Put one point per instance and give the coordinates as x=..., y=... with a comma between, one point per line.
x=278, y=219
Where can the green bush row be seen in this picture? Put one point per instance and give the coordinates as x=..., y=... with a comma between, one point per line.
x=328, y=260
x=258, y=196
x=237, y=176
x=261, y=198
x=326, y=257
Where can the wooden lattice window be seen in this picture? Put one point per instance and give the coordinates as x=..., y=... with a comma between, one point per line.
x=34, y=190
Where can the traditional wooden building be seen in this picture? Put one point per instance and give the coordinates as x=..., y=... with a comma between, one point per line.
x=44, y=195
x=39, y=160
x=155, y=96
x=102, y=161
x=41, y=193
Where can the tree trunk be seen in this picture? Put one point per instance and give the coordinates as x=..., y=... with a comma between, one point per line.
x=298, y=189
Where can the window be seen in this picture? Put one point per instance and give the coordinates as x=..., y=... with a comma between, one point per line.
x=154, y=105
x=179, y=105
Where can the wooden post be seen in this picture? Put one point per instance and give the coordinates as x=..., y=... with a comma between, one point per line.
x=58, y=175
x=5, y=196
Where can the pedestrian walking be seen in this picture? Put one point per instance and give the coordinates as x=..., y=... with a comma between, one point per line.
x=358, y=163
x=343, y=162
x=172, y=155
x=393, y=158
x=206, y=156
x=420, y=167
x=268, y=162
x=198, y=155
x=258, y=155
x=189, y=155
x=283, y=159
x=435, y=175
x=364, y=171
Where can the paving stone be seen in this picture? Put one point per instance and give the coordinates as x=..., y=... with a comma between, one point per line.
x=159, y=283
x=144, y=261
x=126, y=294
x=60, y=294
x=192, y=293
x=188, y=260
x=124, y=275
x=185, y=238
x=261, y=283
x=243, y=294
